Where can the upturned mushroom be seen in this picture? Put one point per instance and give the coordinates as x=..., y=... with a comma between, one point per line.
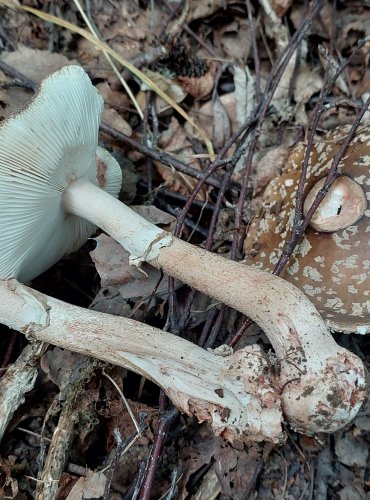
x=42, y=150
x=332, y=263
x=322, y=388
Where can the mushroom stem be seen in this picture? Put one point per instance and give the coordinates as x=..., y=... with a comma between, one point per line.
x=232, y=393
x=323, y=384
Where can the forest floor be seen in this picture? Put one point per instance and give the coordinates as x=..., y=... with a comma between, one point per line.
x=227, y=65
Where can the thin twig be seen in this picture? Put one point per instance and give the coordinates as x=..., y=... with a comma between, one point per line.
x=165, y=422
x=146, y=132
x=13, y=73
x=270, y=89
x=256, y=59
x=6, y=38
x=160, y=156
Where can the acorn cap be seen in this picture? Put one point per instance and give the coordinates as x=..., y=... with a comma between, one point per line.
x=332, y=263
x=44, y=147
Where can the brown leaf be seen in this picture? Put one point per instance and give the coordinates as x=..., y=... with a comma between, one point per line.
x=109, y=300
x=91, y=485
x=169, y=86
x=120, y=418
x=115, y=120
x=174, y=140
x=35, y=64
x=234, y=40
x=62, y=366
x=221, y=124
x=269, y=166
x=203, y=9
x=281, y=6
x=205, y=118
x=113, y=98
x=112, y=264
x=177, y=181
x=8, y=485
x=306, y=84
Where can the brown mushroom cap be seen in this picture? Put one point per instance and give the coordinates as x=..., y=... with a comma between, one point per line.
x=332, y=268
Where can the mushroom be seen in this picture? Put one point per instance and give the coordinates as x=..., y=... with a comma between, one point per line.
x=42, y=150
x=322, y=388
x=332, y=263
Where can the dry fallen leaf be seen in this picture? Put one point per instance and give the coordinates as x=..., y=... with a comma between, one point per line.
x=281, y=6
x=234, y=40
x=244, y=94
x=119, y=280
x=113, y=98
x=8, y=485
x=205, y=117
x=62, y=365
x=269, y=166
x=122, y=280
x=221, y=124
x=109, y=300
x=90, y=486
x=204, y=9
x=351, y=450
x=35, y=64
x=307, y=83
x=168, y=86
x=114, y=119
x=174, y=140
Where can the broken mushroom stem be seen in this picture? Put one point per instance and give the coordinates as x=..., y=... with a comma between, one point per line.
x=323, y=385
x=233, y=393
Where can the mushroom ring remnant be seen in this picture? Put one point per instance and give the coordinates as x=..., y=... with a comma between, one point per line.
x=332, y=263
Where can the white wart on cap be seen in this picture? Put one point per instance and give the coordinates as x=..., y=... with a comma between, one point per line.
x=43, y=148
x=332, y=263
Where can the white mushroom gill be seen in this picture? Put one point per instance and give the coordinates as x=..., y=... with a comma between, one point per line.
x=42, y=149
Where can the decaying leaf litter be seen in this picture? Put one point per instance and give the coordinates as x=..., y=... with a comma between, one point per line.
x=301, y=63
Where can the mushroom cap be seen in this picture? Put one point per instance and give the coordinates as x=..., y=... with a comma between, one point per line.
x=44, y=147
x=332, y=268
